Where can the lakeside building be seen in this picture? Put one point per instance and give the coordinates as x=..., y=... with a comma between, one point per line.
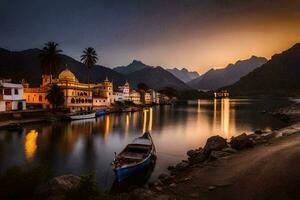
x=154, y=96
x=36, y=96
x=221, y=94
x=105, y=90
x=11, y=96
x=78, y=96
x=123, y=93
x=85, y=97
x=135, y=97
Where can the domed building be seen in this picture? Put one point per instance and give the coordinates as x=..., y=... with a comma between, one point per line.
x=67, y=75
x=78, y=96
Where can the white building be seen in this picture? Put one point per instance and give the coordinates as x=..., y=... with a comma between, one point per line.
x=135, y=97
x=11, y=96
x=123, y=93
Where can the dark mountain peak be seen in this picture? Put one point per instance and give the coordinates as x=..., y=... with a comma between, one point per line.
x=134, y=66
x=279, y=76
x=137, y=62
x=216, y=78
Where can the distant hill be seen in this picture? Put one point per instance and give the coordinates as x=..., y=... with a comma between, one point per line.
x=25, y=64
x=156, y=78
x=279, y=76
x=132, y=67
x=184, y=74
x=217, y=78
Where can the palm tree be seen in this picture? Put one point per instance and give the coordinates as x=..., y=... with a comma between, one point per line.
x=55, y=96
x=49, y=57
x=89, y=58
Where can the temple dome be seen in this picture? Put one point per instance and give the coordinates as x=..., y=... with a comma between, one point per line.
x=67, y=75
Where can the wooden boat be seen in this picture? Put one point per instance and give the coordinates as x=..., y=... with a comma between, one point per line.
x=81, y=115
x=136, y=156
x=101, y=112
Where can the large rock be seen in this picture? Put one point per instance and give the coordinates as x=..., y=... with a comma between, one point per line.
x=195, y=153
x=241, y=142
x=214, y=143
x=57, y=187
x=182, y=166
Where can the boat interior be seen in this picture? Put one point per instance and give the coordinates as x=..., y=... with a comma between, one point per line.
x=133, y=153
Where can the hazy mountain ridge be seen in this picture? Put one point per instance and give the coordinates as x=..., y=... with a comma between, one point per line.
x=280, y=76
x=217, y=78
x=183, y=74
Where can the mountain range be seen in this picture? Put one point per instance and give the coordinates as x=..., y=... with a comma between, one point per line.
x=217, y=78
x=279, y=76
x=26, y=65
x=183, y=74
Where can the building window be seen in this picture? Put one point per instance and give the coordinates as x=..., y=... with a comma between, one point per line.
x=7, y=91
x=16, y=91
x=40, y=98
x=72, y=100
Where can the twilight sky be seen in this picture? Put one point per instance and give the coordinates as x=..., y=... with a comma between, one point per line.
x=197, y=34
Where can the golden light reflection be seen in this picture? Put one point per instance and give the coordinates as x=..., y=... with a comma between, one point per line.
x=127, y=124
x=150, y=120
x=145, y=121
x=225, y=116
x=30, y=144
x=107, y=126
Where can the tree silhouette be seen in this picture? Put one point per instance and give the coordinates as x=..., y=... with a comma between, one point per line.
x=55, y=96
x=49, y=57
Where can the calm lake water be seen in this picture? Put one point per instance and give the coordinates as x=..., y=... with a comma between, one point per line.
x=88, y=145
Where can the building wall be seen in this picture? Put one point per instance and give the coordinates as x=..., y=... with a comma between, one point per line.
x=99, y=102
x=11, y=97
x=135, y=97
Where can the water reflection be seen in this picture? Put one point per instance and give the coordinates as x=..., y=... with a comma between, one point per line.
x=223, y=117
x=30, y=144
x=107, y=126
x=88, y=145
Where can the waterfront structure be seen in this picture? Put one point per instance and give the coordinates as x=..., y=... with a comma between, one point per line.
x=135, y=97
x=154, y=96
x=104, y=90
x=11, y=96
x=221, y=94
x=100, y=102
x=78, y=96
x=123, y=93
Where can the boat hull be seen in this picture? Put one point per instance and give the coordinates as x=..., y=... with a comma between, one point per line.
x=87, y=116
x=101, y=113
x=124, y=172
